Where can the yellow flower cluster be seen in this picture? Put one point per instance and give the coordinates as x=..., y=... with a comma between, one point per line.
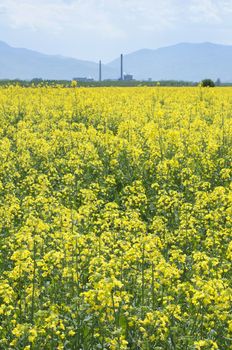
x=116, y=218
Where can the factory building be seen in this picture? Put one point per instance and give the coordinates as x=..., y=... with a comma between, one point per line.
x=83, y=79
x=128, y=77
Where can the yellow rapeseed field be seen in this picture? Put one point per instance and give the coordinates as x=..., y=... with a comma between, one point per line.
x=116, y=212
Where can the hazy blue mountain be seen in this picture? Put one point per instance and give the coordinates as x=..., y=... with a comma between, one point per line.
x=27, y=64
x=192, y=62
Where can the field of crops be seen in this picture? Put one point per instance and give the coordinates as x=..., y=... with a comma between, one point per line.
x=116, y=212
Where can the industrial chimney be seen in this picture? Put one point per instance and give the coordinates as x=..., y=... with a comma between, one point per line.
x=100, y=70
x=121, y=67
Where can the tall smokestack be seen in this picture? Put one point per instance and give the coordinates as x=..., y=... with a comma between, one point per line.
x=121, y=67
x=100, y=70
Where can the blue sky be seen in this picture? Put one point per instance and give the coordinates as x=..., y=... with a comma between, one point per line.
x=94, y=29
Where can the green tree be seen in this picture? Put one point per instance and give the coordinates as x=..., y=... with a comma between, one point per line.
x=208, y=82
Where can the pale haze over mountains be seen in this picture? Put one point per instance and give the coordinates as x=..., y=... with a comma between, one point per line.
x=185, y=61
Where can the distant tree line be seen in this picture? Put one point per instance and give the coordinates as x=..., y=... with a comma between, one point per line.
x=105, y=83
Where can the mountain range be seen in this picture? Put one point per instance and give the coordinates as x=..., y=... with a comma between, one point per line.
x=20, y=63
x=184, y=61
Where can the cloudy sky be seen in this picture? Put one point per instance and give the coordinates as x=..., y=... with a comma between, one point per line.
x=93, y=29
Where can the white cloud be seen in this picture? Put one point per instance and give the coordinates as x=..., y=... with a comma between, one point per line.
x=89, y=28
x=210, y=11
x=55, y=15
x=31, y=15
x=111, y=17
